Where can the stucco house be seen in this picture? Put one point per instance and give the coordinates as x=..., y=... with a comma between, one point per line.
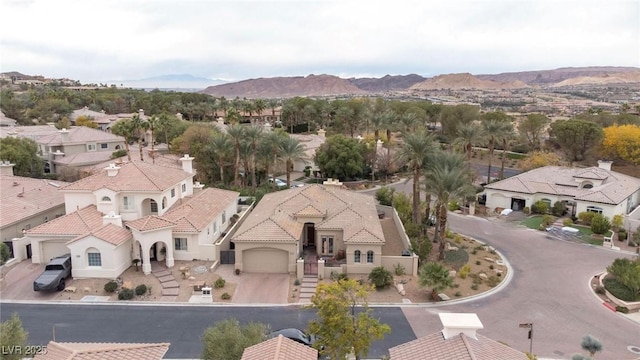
x=279, y=348
x=102, y=350
x=316, y=222
x=594, y=189
x=135, y=210
x=26, y=203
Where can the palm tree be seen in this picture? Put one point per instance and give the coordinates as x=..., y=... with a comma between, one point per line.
x=417, y=147
x=379, y=120
x=236, y=133
x=153, y=123
x=139, y=126
x=252, y=135
x=448, y=180
x=494, y=130
x=270, y=149
x=163, y=125
x=505, y=138
x=290, y=151
x=468, y=135
x=219, y=149
x=436, y=276
x=260, y=105
x=125, y=129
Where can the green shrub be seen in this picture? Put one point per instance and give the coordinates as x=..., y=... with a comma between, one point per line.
x=567, y=222
x=476, y=279
x=118, y=153
x=478, y=262
x=110, y=287
x=336, y=276
x=225, y=296
x=493, y=281
x=491, y=267
x=474, y=286
x=125, y=294
x=540, y=207
x=457, y=294
x=456, y=258
x=526, y=210
x=380, y=277
x=617, y=221
x=399, y=269
x=558, y=209
x=465, y=271
x=619, y=290
x=297, y=282
x=141, y=289
x=622, y=235
x=585, y=217
x=622, y=309
x=219, y=284
x=600, y=224
x=385, y=196
x=453, y=205
x=449, y=234
x=5, y=253
x=547, y=220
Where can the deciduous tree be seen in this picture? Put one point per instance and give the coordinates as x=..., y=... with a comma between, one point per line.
x=344, y=321
x=532, y=127
x=12, y=336
x=538, y=159
x=622, y=142
x=227, y=339
x=577, y=138
x=23, y=153
x=86, y=121
x=627, y=272
x=341, y=157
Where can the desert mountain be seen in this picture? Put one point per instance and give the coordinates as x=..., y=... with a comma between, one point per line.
x=387, y=82
x=464, y=81
x=172, y=81
x=312, y=85
x=547, y=77
x=606, y=79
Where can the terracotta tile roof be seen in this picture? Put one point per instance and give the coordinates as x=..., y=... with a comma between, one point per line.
x=30, y=132
x=133, y=176
x=103, y=351
x=198, y=211
x=274, y=218
x=111, y=233
x=38, y=195
x=79, y=134
x=85, y=158
x=564, y=181
x=279, y=348
x=460, y=347
x=151, y=222
x=165, y=160
x=76, y=223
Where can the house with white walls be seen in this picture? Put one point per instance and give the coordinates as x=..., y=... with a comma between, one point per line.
x=134, y=210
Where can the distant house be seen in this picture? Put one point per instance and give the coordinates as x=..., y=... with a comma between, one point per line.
x=279, y=348
x=458, y=340
x=87, y=351
x=134, y=210
x=593, y=189
x=311, y=143
x=26, y=203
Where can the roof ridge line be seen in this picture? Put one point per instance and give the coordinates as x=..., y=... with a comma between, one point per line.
x=467, y=345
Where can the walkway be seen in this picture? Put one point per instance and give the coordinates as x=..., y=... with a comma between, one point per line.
x=170, y=287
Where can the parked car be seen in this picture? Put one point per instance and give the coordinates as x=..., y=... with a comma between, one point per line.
x=54, y=275
x=279, y=183
x=295, y=335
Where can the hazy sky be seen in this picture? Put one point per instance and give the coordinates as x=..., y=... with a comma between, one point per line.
x=99, y=40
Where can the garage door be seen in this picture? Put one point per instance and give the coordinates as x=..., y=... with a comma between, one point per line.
x=269, y=261
x=51, y=249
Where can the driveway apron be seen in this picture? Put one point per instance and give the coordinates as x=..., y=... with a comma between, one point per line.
x=262, y=289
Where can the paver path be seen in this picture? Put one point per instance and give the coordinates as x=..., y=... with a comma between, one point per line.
x=170, y=287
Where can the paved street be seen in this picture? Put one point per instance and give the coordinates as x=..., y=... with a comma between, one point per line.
x=182, y=326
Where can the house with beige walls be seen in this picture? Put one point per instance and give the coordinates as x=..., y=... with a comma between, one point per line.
x=134, y=210
x=593, y=189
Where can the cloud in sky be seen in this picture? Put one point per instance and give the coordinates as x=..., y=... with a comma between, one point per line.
x=102, y=40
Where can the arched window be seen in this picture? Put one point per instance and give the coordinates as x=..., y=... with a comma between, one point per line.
x=164, y=203
x=370, y=257
x=106, y=199
x=356, y=256
x=548, y=201
x=93, y=257
x=587, y=185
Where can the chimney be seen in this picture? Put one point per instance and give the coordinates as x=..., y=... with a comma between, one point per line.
x=379, y=144
x=112, y=170
x=605, y=164
x=187, y=163
x=197, y=187
x=179, y=116
x=141, y=113
x=220, y=120
x=112, y=218
x=64, y=135
x=322, y=133
x=6, y=168
x=456, y=323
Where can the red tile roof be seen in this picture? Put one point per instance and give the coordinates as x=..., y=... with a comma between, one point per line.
x=79, y=134
x=151, y=222
x=279, y=348
x=103, y=351
x=22, y=197
x=78, y=222
x=111, y=233
x=199, y=210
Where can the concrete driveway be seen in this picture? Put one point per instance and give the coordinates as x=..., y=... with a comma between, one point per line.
x=262, y=289
x=17, y=283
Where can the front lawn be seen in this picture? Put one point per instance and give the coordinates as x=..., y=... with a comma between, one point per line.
x=533, y=222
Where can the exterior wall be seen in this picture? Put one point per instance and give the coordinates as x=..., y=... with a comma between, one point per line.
x=79, y=148
x=8, y=232
x=363, y=267
x=37, y=257
x=607, y=210
x=289, y=247
x=410, y=263
x=193, y=247
x=631, y=221
x=77, y=200
x=106, y=206
x=115, y=259
x=338, y=243
x=498, y=199
x=147, y=239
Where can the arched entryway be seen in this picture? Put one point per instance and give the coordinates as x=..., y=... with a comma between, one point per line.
x=158, y=254
x=149, y=207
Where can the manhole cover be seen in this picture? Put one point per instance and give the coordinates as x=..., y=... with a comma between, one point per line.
x=634, y=349
x=200, y=269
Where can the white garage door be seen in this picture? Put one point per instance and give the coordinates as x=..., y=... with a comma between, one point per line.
x=269, y=261
x=51, y=249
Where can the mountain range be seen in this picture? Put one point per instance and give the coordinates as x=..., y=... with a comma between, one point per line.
x=328, y=85
x=171, y=81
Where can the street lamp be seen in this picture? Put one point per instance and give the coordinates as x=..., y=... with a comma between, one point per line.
x=530, y=327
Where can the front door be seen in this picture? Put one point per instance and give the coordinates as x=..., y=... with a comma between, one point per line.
x=28, y=251
x=311, y=236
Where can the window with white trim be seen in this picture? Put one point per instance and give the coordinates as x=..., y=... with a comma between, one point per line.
x=154, y=206
x=164, y=203
x=106, y=199
x=127, y=202
x=594, y=209
x=184, y=188
x=356, y=256
x=180, y=244
x=94, y=258
x=173, y=192
x=327, y=244
x=91, y=146
x=370, y=257
x=104, y=146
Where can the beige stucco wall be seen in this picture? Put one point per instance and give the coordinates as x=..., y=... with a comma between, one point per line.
x=10, y=231
x=607, y=210
x=37, y=244
x=363, y=267
x=115, y=259
x=290, y=247
x=338, y=243
x=410, y=263
x=77, y=200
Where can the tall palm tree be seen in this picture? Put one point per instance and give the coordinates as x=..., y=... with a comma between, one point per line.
x=125, y=129
x=260, y=105
x=448, y=180
x=219, y=150
x=379, y=120
x=252, y=135
x=140, y=126
x=153, y=124
x=468, y=135
x=163, y=125
x=415, y=151
x=505, y=138
x=494, y=130
x=290, y=151
x=236, y=133
x=270, y=148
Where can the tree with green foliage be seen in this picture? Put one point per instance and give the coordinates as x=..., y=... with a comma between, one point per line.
x=577, y=138
x=384, y=195
x=227, y=339
x=125, y=129
x=253, y=134
x=341, y=157
x=495, y=131
x=468, y=136
x=86, y=121
x=23, y=153
x=600, y=224
x=5, y=253
x=627, y=272
x=219, y=149
x=290, y=151
x=344, y=323
x=380, y=277
x=532, y=127
x=236, y=134
x=451, y=117
x=436, y=276
x=12, y=336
